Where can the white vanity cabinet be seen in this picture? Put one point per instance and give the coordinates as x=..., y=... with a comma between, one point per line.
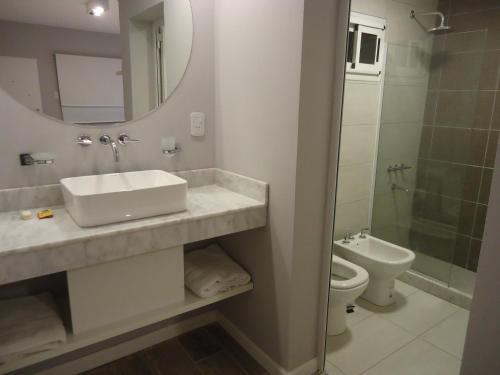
x=109, y=292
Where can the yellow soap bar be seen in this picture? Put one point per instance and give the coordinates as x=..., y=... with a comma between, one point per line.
x=45, y=214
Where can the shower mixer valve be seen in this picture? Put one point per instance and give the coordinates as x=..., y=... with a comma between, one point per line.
x=396, y=168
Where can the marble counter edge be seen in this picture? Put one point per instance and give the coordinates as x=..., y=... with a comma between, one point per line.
x=129, y=228
x=49, y=259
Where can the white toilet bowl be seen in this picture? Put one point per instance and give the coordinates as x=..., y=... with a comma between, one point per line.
x=347, y=282
x=384, y=262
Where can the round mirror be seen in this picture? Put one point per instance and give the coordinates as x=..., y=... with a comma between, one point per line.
x=94, y=61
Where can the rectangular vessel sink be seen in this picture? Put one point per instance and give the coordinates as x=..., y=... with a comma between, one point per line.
x=115, y=197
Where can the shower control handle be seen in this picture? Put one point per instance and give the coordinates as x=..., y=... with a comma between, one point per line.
x=397, y=187
x=396, y=168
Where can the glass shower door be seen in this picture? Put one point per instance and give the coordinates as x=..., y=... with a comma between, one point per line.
x=402, y=213
x=434, y=161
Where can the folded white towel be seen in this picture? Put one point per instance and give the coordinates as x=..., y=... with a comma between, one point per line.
x=210, y=271
x=29, y=325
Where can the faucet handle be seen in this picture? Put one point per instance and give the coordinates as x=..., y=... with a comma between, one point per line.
x=123, y=139
x=362, y=233
x=84, y=140
x=105, y=139
x=348, y=237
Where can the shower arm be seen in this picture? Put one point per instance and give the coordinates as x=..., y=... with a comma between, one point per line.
x=436, y=13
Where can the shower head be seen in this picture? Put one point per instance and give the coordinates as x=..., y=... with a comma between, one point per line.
x=439, y=28
x=442, y=24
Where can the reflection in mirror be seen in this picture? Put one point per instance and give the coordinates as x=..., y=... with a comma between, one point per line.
x=96, y=61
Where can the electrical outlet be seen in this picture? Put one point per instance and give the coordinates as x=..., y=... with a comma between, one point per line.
x=197, y=124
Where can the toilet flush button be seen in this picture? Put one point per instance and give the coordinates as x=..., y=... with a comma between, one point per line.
x=197, y=124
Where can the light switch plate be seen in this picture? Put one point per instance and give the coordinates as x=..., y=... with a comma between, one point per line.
x=197, y=124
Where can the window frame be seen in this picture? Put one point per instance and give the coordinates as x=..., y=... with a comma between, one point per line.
x=363, y=24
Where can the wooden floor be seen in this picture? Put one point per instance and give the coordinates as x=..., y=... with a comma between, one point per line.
x=205, y=351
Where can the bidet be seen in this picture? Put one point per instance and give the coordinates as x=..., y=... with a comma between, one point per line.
x=383, y=260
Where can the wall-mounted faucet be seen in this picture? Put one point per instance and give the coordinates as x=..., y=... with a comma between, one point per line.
x=123, y=139
x=108, y=141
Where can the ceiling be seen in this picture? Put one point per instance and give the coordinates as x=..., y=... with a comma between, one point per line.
x=61, y=13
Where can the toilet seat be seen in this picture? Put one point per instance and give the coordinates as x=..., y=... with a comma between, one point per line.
x=346, y=275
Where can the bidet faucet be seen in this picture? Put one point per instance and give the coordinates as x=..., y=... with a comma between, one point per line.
x=348, y=237
x=108, y=141
x=363, y=232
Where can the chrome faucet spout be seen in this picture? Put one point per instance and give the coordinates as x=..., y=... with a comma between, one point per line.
x=116, y=154
x=108, y=141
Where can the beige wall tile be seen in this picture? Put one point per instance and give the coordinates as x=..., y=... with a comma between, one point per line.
x=355, y=182
x=357, y=144
x=351, y=217
x=361, y=103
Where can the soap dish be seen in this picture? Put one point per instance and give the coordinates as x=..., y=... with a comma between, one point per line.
x=173, y=152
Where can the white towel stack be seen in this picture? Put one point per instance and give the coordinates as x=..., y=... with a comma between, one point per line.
x=29, y=325
x=210, y=271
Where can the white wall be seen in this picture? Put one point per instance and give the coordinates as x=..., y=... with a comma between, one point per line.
x=273, y=112
x=257, y=61
x=23, y=130
x=482, y=341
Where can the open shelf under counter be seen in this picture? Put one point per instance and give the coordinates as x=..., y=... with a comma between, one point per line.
x=75, y=342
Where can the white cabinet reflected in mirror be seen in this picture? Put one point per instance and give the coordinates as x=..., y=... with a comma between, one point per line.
x=94, y=62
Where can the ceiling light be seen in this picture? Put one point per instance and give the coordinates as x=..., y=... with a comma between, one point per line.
x=97, y=7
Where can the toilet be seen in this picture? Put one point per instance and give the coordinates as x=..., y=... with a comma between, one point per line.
x=383, y=260
x=347, y=282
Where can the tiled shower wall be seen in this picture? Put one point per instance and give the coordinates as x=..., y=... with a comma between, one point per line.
x=405, y=83
x=460, y=134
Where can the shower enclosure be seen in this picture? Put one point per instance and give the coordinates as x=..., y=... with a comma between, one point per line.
x=439, y=127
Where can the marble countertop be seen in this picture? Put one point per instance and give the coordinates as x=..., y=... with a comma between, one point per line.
x=17, y=235
x=218, y=203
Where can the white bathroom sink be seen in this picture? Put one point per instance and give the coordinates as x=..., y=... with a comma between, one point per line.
x=115, y=197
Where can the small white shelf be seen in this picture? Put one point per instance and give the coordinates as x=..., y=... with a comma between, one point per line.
x=75, y=342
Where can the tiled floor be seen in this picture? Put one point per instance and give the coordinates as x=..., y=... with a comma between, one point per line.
x=205, y=351
x=419, y=335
